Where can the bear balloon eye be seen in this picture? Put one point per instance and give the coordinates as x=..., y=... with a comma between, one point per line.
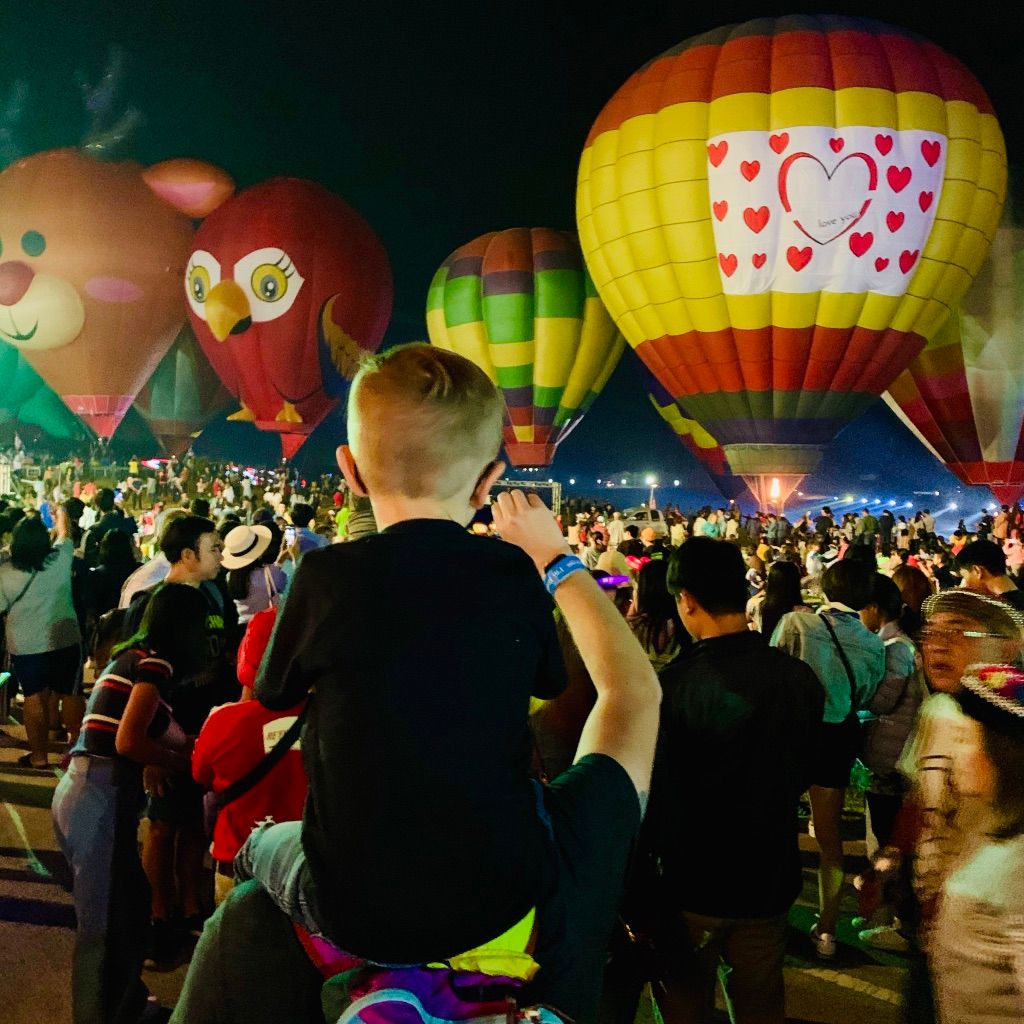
x=33, y=243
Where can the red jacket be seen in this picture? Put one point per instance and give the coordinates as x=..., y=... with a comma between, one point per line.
x=231, y=743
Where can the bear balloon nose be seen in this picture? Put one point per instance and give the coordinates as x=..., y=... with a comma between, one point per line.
x=15, y=278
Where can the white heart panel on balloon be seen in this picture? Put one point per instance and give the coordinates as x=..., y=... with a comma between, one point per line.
x=821, y=209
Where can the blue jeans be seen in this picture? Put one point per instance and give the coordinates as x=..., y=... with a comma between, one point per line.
x=95, y=820
x=273, y=856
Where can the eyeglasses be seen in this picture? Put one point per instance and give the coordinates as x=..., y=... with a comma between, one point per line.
x=937, y=633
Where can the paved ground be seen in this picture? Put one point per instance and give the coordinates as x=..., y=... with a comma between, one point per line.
x=37, y=922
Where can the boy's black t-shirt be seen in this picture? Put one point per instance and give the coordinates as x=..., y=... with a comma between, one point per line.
x=423, y=644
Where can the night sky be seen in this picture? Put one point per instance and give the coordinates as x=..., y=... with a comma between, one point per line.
x=440, y=122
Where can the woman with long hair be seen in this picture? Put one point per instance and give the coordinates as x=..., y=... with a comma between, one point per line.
x=782, y=594
x=915, y=588
x=43, y=636
x=128, y=724
x=655, y=617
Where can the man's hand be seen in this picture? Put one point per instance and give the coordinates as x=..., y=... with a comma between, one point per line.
x=524, y=520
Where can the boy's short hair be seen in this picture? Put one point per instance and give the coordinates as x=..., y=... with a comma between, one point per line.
x=849, y=582
x=422, y=421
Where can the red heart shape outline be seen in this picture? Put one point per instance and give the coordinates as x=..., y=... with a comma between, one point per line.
x=898, y=178
x=784, y=188
x=799, y=258
x=717, y=151
x=836, y=145
x=924, y=200
x=721, y=209
x=756, y=219
x=908, y=259
x=894, y=221
x=750, y=169
x=883, y=143
x=779, y=142
x=728, y=263
x=881, y=263
x=859, y=244
x=930, y=150
x=758, y=259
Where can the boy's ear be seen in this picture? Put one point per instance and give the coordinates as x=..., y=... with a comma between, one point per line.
x=492, y=473
x=350, y=471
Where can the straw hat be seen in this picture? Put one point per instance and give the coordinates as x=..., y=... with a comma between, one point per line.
x=245, y=545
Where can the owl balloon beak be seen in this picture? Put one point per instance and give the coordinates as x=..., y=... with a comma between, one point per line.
x=227, y=310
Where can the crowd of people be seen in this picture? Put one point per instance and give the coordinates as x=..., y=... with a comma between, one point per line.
x=545, y=766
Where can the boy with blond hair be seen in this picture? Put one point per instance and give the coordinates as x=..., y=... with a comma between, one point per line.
x=424, y=834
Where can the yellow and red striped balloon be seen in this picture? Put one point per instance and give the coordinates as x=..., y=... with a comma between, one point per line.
x=779, y=215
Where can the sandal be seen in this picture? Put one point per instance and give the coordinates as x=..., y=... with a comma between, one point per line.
x=25, y=761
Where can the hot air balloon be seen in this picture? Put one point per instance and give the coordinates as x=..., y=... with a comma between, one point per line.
x=963, y=396
x=288, y=288
x=183, y=395
x=91, y=258
x=695, y=439
x=25, y=398
x=779, y=216
x=521, y=305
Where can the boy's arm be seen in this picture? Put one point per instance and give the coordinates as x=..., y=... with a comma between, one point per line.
x=280, y=682
x=624, y=722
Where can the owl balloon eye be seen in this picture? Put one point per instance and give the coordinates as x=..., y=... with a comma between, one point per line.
x=199, y=283
x=269, y=282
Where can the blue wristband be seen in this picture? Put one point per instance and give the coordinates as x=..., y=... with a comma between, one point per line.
x=561, y=570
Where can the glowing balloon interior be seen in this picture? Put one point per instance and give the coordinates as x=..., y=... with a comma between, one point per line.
x=521, y=305
x=779, y=215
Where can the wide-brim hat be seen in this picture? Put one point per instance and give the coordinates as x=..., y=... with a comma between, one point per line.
x=245, y=545
x=994, y=696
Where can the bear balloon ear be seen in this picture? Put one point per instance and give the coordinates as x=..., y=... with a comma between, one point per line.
x=194, y=187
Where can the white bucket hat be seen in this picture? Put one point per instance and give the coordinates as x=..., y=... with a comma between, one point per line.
x=245, y=545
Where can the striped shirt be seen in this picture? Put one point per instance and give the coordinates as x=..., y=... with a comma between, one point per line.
x=109, y=699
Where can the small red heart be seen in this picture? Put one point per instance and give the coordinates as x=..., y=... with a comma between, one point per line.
x=836, y=144
x=859, y=244
x=930, y=150
x=798, y=258
x=717, y=151
x=881, y=263
x=924, y=200
x=899, y=178
x=758, y=259
x=908, y=259
x=728, y=263
x=750, y=169
x=894, y=220
x=756, y=219
x=779, y=142
x=721, y=209
x=883, y=143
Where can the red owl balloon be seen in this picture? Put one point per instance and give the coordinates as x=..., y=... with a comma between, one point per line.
x=288, y=287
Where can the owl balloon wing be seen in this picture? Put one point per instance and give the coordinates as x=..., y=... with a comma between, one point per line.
x=340, y=353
